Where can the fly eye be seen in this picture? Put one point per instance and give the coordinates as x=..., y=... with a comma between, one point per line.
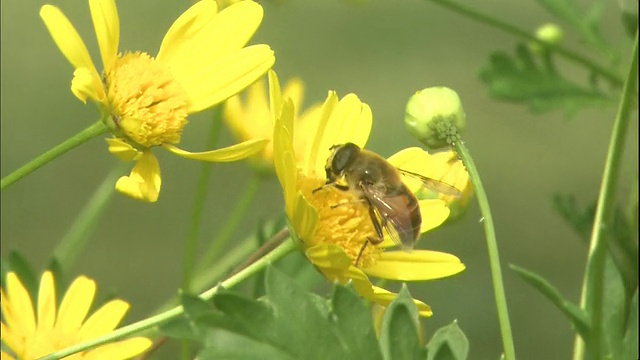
x=342, y=158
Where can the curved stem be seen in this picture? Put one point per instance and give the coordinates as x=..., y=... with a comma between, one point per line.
x=513, y=30
x=83, y=136
x=159, y=319
x=75, y=240
x=593, y=285
x=492, y=248
x=200, y=200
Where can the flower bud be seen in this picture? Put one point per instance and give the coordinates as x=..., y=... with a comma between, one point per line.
x=549, y=34
x=435, y=116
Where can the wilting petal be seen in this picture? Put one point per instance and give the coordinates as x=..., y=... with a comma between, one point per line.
x=17, y=310
x=107, y=25
x=46, y=302
x=75, y=305
x=194, y=46
x=143, y=183
x=104, y=320
x=123, y=150
x=231, y=153
x=83, y=86
x=385, y=297
x=120, y=350
x=224, y=77
x=69, y=42
x=186, y=27
x=416, y=265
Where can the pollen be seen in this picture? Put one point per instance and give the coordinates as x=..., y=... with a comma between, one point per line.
x=343, y=220
x=148, y=106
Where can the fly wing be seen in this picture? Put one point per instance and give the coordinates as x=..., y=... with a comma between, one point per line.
x=433, y=184
x=392, y=213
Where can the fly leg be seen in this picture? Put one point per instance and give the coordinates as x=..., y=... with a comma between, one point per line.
x=377, y=226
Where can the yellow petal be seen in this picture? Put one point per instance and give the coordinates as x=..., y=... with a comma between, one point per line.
x=416, y=265
x=4, y=355
x=186, y=27
x=231, y=153
x=305, y=218
x=315, y=136
x=221, y=78
x=120, y=350
x=75, y=305
x=13, y=339
x=434, y=213
x=46, y=302
x=192, y=45
x=385, y=297
x=104, y=320
x=69, y=42
x=283, y=156
x=83, y=86
x=107, y=25
x=17, y=310
x=143, y=183
x=328, y=256
x=275, y=97
x=123, y=150
x=350, y=121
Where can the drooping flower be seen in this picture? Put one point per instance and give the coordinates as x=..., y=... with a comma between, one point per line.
x=144, y=100
x=31, y=332
x=249, y=116
x=332, y=237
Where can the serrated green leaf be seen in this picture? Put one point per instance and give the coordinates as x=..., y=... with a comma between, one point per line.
x=520, y=79
x=399, y=335
x=630, y=342
x=194, y=306
x=448, y=342
x=180, y=328
x=586, y=24
x=355, y=324
x=574, y=314
x=580, y=219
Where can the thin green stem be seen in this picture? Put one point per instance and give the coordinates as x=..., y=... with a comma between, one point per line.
x=234, y=219
x=173, y=313
x=83, y=136
x=593, y=285
x=190, y=246
x=513, y=30
x=76, y=238
x=492, y=248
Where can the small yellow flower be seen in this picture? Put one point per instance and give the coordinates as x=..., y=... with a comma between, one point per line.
x=252, y=117
x=31, y=332
x=145, y=100
x=332, y=237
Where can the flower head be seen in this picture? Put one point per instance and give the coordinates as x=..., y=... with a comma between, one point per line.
x=145, y=100
x=32, y=332
x=250, y=115
x=331, y=236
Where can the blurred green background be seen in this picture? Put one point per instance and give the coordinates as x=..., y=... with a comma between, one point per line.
x=381, y=50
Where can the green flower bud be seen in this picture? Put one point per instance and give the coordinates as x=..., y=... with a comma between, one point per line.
x=549, y=34
x=435, y=116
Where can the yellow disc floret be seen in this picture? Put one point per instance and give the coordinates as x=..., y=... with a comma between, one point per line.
x=148, y=106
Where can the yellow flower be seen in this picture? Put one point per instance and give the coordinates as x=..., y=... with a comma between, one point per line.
x=145, y=100
x=31, y=332
x=252, y=118
x=332, y=237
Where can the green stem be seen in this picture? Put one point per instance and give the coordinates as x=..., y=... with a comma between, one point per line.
x=513, y=30
x=83, y=136
x=492, y=247
x=75, y=240
x=593, y=285
x=173, y=313
x=190, y=245
x=234, y=219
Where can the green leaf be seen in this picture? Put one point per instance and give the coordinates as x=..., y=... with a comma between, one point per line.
x=576, y=316
x=448, y=342
x=520, y=79
x=630, y=342
x=586, y=24
x=614, y=310
x=400, y=328
x=630, y=22
x=288, y=323
x=580, y=219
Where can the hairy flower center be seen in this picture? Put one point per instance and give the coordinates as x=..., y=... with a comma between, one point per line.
x=148, y=105
x=342, y=220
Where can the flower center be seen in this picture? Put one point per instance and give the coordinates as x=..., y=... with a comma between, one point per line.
x=148, y=105
x=343, y=220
